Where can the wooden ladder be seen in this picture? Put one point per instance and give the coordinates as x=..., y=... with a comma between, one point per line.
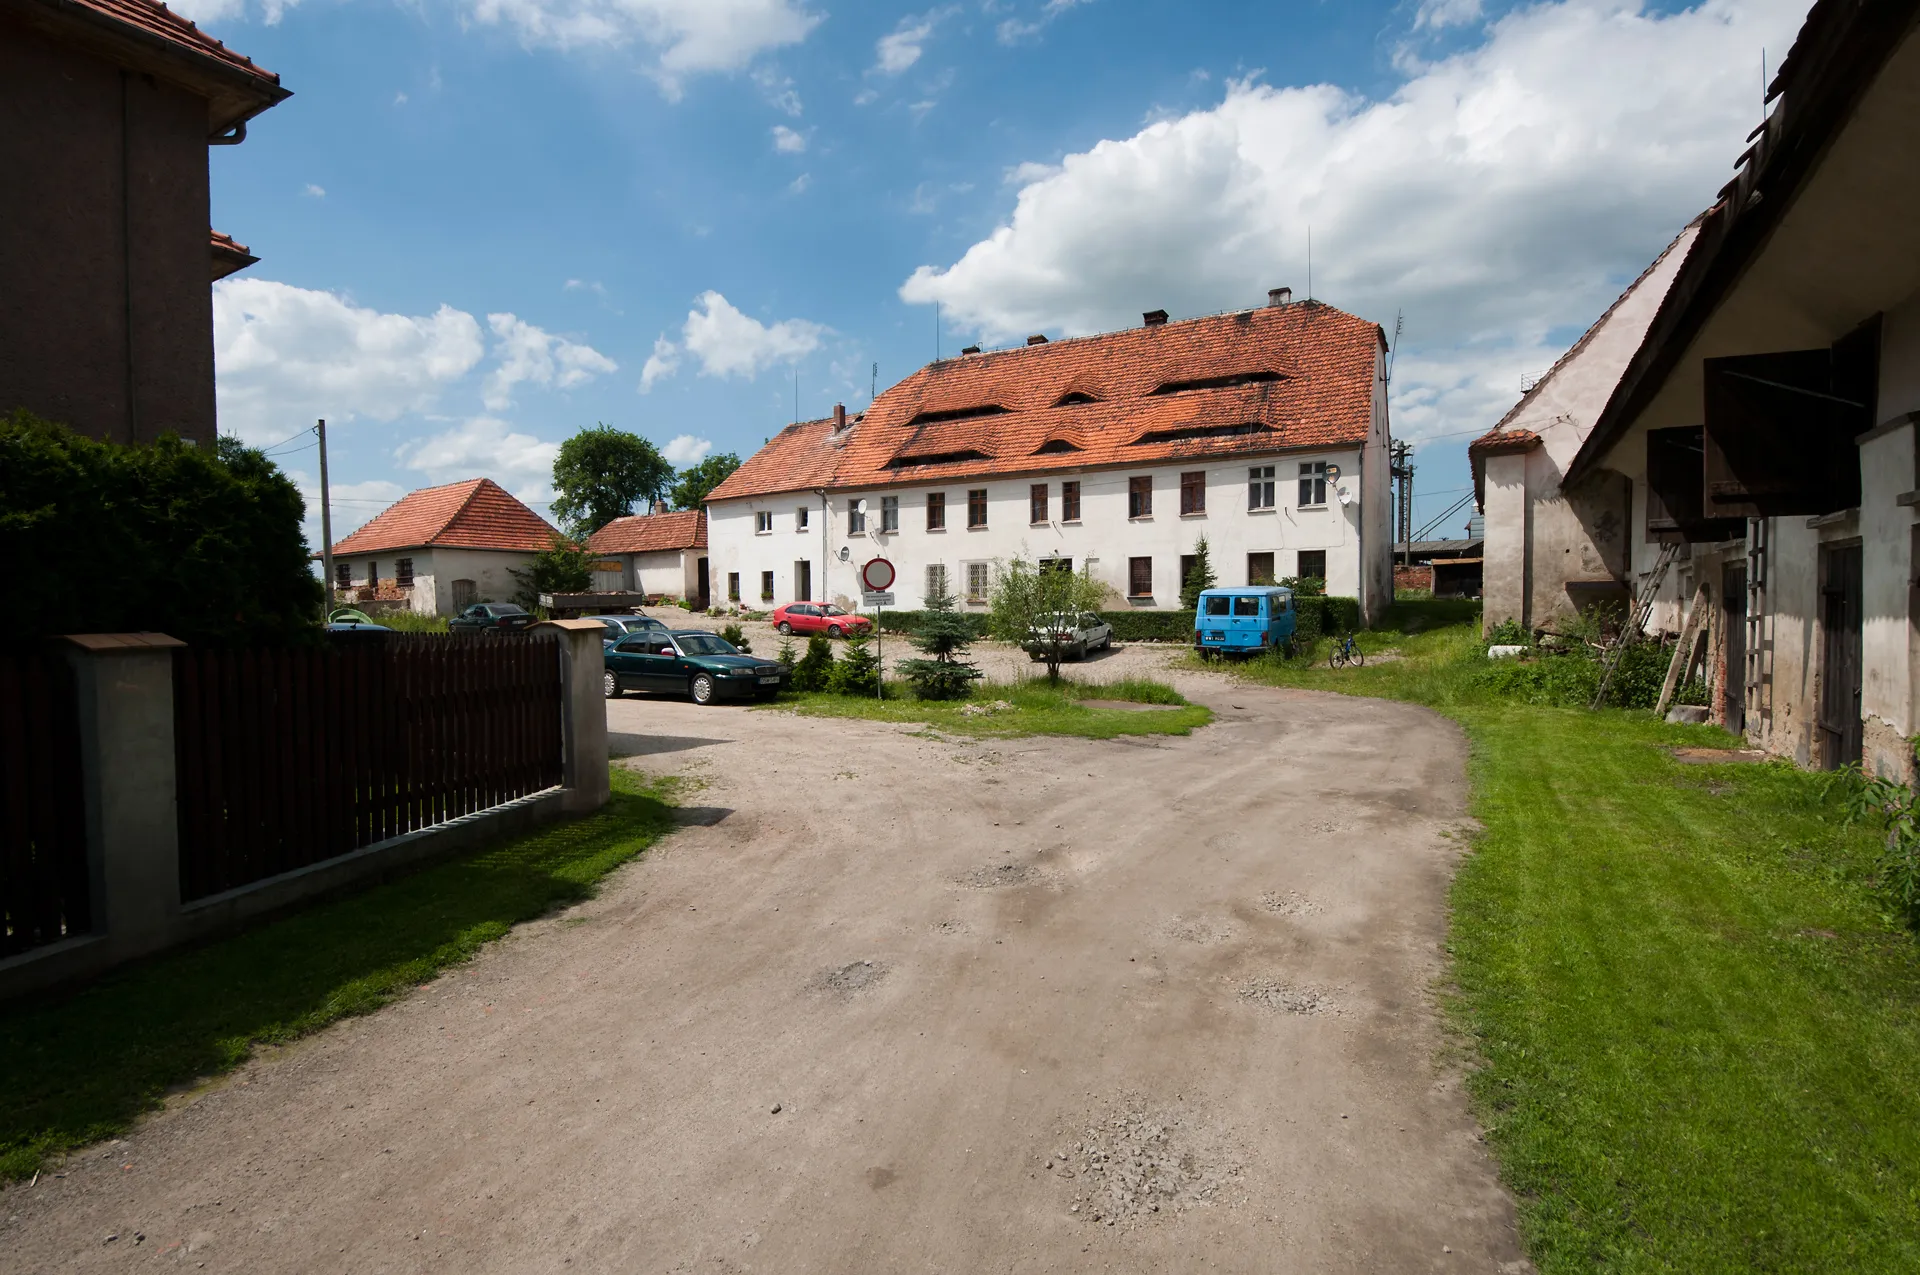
x=1637, y=620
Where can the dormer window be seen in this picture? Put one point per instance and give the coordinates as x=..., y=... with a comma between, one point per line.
x=1232, y=381
x=1074, y=398
x=958, y=414
x=1055, y=447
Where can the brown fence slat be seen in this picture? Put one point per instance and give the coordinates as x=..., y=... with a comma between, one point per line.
x=45, y=880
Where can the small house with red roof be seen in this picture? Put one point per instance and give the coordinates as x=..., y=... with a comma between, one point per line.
x=108, y=260
x=442, y=549
x=659, y=555
x=1263, y=430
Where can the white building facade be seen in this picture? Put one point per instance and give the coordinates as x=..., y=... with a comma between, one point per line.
x=1305, y=497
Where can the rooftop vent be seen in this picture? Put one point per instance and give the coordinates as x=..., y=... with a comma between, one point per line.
x=1038, y=338
x=1154, y=318
x=969, y=349
x=1279, y=296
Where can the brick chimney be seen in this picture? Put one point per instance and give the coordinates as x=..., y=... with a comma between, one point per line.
x=839, y=417
x=1038, y=338
x=1277, y=297
x=1154, y=318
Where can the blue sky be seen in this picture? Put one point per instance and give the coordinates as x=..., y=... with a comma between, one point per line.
x=485, y=224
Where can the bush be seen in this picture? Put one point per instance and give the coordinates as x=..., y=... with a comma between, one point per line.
x=1510, y=633
x=858, y=670
x=203, y=544
x=910, y=623
x=941, y=673
x=814, y=672
x=735, y=636
x=1150, y=626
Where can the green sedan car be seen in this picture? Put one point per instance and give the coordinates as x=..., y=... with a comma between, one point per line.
x=704, y=666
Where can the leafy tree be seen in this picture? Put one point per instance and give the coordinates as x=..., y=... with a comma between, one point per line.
x=601, y=473
x=858, y=670
x=1200, y=576
x=943, y=638
x=205, y=544
x=1027, y=597
x=563, y=568
x=691, y=488
x=815, y=670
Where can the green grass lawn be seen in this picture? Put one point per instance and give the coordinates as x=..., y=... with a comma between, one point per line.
x=1695, y=1024
x=83, y=1067
x=1037, y=708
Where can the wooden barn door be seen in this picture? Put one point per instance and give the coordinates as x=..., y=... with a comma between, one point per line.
x=1840, y=673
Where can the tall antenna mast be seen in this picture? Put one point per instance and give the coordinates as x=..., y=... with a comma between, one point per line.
x=936, y=332
x=1309, y=261
x=796, y=393
x=874, y=386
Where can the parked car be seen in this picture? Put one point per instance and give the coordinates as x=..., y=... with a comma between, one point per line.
x=704, y=666
x=491, y=617
x=819, y=617
x=1244, y=621
x=1073, y=633
x=618, y=626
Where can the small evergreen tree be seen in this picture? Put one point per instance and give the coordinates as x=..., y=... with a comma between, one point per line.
x=786, y=654
x=736, y=637
x=943, y=639
x=858, y=670
x=1200, y=576
x=814, y=672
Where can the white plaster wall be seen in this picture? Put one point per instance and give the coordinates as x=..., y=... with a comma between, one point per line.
x=1375, y=493
x=664, y=573
x=1504, y=574
x=1886, y=472
x=435, y=570
x=1104, y=535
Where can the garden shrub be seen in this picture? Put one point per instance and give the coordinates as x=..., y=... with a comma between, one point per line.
x=858, y=670
x=736, y=637
x=941, y=673
x=1510, y=633
x=814, y=672
x=204, y=544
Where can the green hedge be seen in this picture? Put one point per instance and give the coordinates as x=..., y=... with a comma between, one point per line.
x=205, y=544
x=1317, y=615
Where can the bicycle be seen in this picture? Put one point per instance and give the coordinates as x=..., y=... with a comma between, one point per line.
x=1345, y=652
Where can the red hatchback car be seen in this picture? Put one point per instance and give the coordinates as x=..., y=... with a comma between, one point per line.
x=819, y=617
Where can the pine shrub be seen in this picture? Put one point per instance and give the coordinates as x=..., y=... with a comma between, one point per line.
x=814, y=672
x=857, y=672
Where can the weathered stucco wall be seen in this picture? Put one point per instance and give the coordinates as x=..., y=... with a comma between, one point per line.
x=83, y=246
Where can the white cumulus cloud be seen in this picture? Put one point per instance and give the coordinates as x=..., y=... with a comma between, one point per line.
x=1439, y=14
x=288, y=355
x=787, y=141
x=684, y=449
x=532, y=355
x=901, y=47
x=662, y=363
x=486, y=447
x=687, y=37
x=729, y=343
x=1504, y=193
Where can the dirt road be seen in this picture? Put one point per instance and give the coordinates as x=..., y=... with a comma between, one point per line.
x=891, y=1003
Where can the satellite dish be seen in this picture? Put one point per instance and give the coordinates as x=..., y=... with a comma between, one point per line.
x=860, y=506
x=1346, y=497
x=845, y=553
x=1333, y=473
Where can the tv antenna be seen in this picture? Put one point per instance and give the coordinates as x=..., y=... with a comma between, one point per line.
x=874, y=386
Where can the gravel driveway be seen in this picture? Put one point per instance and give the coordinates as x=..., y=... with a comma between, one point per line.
x=887, y=1003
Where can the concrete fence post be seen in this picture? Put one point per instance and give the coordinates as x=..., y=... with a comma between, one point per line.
x=583, y=713
x=124, y=687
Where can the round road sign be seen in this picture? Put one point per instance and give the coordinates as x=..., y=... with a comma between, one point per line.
x=877, y=575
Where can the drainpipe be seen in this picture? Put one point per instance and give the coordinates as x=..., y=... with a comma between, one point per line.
x=126, y=247
x=825, y=515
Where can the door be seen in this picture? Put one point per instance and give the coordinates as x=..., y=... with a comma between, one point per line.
x=1840, y=655
x=803, y=580
x=1733, y=620
x=702, y=596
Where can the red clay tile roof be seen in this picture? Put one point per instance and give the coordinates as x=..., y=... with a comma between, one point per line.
x=1273, y=379
x=475, y=514
x=151, y=37
x=651, y=533
x=229, y=257
x=1495, y=442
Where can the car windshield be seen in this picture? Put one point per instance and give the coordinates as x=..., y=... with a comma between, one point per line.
x=831, y=611
x=1216, y=605
x=704, y=644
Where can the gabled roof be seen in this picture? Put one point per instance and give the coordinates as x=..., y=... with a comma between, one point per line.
x=1278, y=378
x=147, y=36
x=475, y=514
x=651, y=533
x=1497, y=441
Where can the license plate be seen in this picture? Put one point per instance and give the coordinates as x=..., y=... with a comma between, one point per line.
x=1215, y=637
x=770, y=681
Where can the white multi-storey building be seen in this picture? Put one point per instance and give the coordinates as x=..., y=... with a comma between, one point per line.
x=1265, y=431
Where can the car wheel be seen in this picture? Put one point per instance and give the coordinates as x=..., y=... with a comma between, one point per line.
x=1079, y=650
x=1106, y=643
x=833, y=630
x=785, y=628
x=611, y=684
x=701, y=688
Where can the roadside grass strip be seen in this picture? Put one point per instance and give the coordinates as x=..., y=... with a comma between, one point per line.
x=1693, y=1021
x=1033, y=707
x=82, y=1068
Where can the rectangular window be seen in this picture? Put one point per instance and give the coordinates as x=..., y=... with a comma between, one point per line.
x=733, y=586
x=1140, y=497
x=373, y=575
x=936, y=580
x=1246, y=606
x=763, y=522
x=889, y=513
x=936, y=511
x=1193, y=493
x=1217, y=604
x=1260, y=568
x=1070, y=502
x=1037, y=504
x=1313, y=484
x=1313, y=564
x=976, y=582
x=976, y=508
x=800, y=517
x=343, y=574
x=403, y=572
x=1063, y=565
x=766, y=586
x=856, y=520
x=1260, y=487
x=1139, y=577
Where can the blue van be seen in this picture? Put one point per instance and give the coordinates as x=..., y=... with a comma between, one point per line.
x=1244, y=621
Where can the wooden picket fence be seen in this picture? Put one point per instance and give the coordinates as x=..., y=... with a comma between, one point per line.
x=290, y=758
x=45, y=883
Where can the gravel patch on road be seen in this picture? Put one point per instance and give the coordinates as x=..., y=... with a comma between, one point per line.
x=1135, y=1165
x=1287, y=998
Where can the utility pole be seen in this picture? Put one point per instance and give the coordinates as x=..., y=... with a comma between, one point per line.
x=1400, y=461
x=326, y=523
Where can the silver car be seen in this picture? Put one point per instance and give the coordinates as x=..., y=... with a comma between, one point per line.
x=1073, y=633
